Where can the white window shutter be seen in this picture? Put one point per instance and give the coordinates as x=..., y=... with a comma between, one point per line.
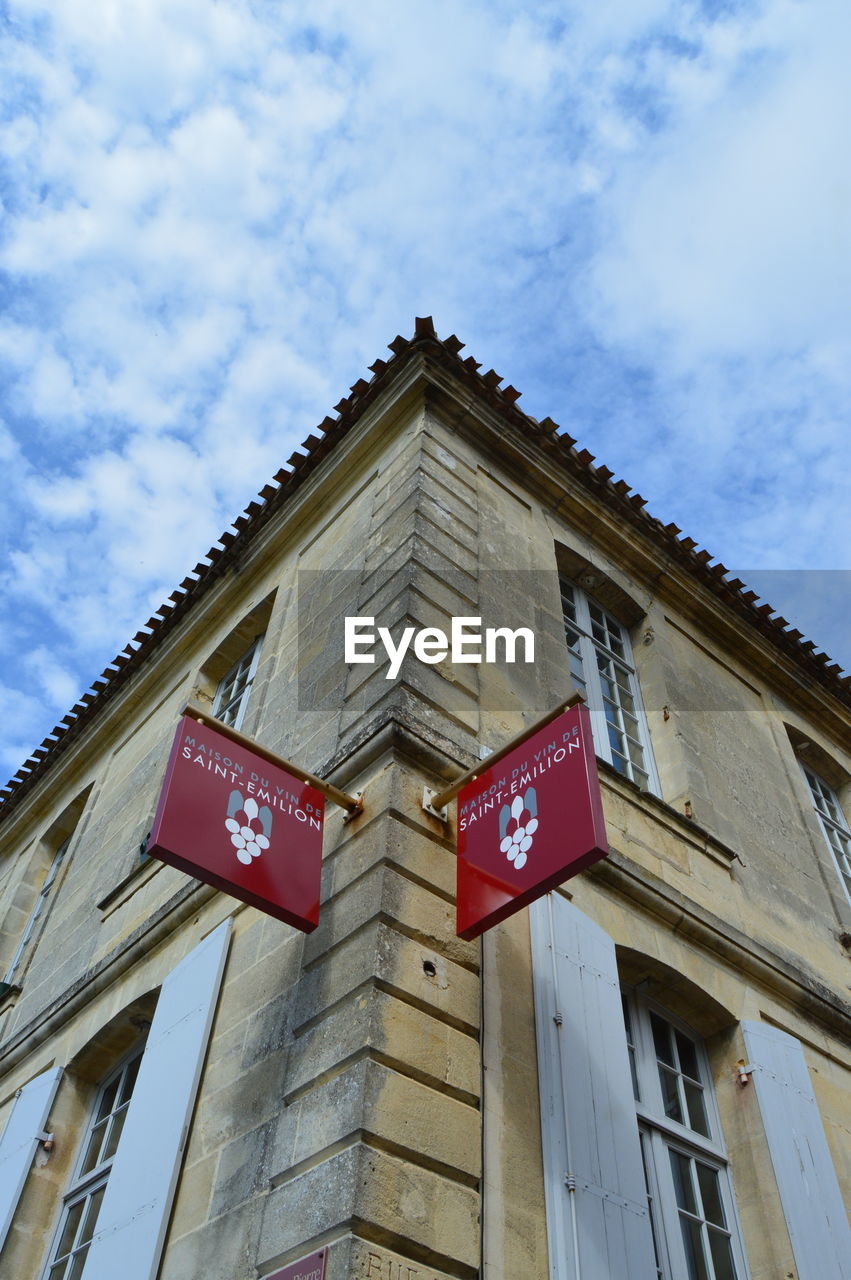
x=134, y=1215
x=590, y=1131
x=806, y=1178
x=19, y=1140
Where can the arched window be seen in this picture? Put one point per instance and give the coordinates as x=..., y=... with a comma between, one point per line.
x=83, y=1199
x=602, y=668
x=114, y=1215
x=689, y=1193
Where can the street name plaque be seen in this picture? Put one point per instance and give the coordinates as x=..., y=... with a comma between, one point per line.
x=310, y=1268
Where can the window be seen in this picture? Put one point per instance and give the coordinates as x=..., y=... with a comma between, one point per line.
x=37, y=911
x=235, y=686
x=115, y=1214
x=83, y=1200
x=629, y=1122
x=833, y=824
x=689, y=1194
x=603, y=671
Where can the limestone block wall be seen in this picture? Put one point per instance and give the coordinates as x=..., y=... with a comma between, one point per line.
x=341, y=1096
x=375, y=1147
x=372, y=1087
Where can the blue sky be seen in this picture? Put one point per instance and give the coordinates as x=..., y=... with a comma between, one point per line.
x=216, y=215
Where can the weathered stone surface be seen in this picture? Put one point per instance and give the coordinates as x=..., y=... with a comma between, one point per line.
x=385, y=894
x=342, y=1098
x=379, y=956
x=417, y=1121
x=388, y=1196
x=392, y=1031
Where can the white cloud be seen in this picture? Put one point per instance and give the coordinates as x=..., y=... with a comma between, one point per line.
x=732, y=226
x=725, y=272
x=217, y=215
x=59, y=684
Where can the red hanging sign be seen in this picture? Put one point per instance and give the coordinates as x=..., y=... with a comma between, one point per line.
x=528, y=823
x=232, y=819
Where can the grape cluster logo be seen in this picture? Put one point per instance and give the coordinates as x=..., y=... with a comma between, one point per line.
x=517, y=825
x=249, y=826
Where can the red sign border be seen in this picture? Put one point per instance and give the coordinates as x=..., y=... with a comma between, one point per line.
x=468, y=875
x=304, y=923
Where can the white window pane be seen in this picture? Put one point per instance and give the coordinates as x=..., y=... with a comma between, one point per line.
x=687, y=1055
x=143, y=1177
x=630, y=1044
x=91, y=1215
x=833, y=824
x=702, y=1220
x=671, y=1095
x=235, y=687
x=710, y=1194
x=68, y=1237
x=683, y=1187
x=696, y=1109
x=85, y=1196
x=600, y=663
x=652, y=1206
x=29, y=928
x=662, y=1040
x=694, y=1211
x=722, y=1255
x=693, y=1245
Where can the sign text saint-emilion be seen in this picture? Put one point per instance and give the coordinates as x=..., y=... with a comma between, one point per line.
x=529, y=822
x=235, y=820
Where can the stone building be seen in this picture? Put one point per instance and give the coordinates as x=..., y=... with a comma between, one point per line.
x=643, y=1074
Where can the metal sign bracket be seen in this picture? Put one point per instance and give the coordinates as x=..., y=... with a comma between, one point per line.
x=428, y=796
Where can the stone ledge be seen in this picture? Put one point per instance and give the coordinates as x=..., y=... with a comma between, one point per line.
x=770, y=969
x=124, y=890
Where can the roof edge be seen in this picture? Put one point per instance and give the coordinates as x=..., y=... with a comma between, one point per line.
x=557, y=444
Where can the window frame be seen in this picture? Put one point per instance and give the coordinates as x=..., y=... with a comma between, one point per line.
x=240, y=677
x=85, y=1186
x=661, y=1134
x=819, y=789
x=37, y=910
x=586, y=677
